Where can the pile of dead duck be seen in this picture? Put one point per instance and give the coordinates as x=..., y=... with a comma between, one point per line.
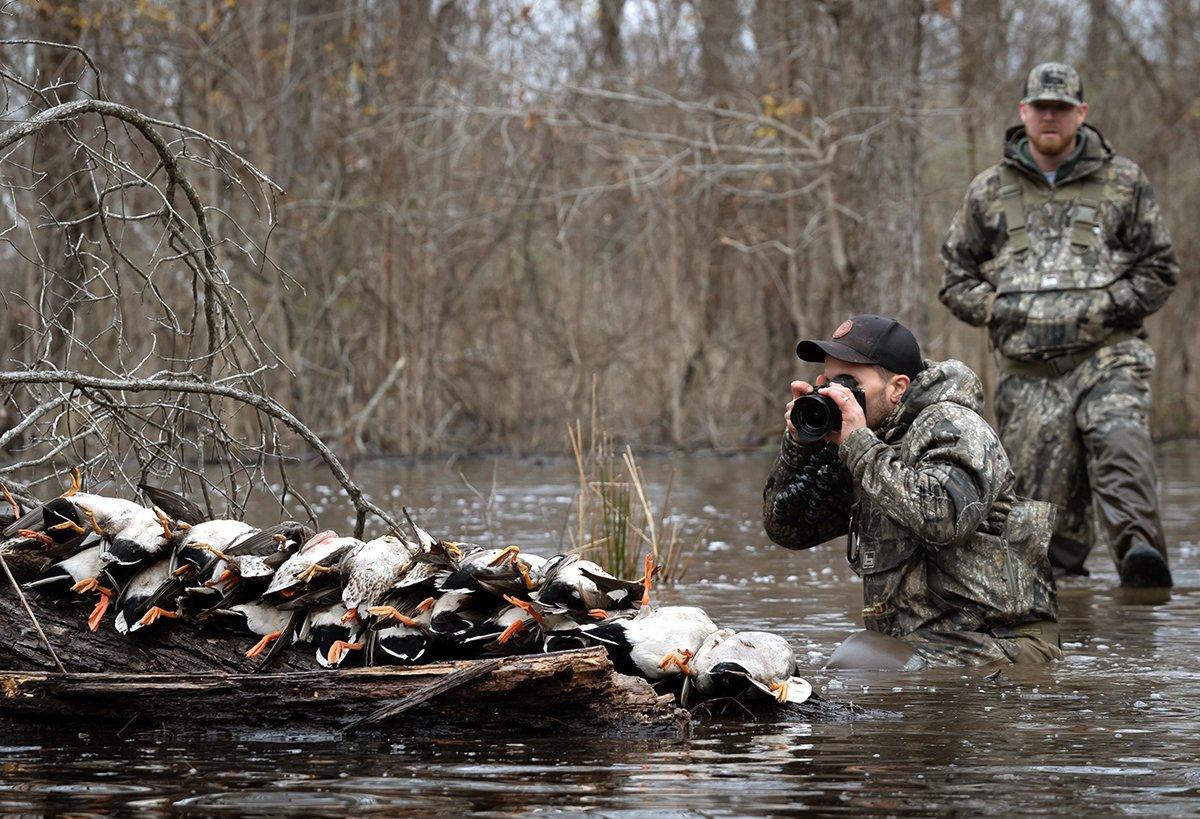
x=384, y=601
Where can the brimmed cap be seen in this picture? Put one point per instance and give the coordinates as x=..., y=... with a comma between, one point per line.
x=868, y=339
x=1053, y=81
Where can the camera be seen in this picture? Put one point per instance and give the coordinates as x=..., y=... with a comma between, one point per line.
x=815, y=416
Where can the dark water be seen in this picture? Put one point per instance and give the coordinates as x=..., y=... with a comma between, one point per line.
x=1114, y=727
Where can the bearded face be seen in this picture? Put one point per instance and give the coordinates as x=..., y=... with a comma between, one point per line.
x=1052, y=126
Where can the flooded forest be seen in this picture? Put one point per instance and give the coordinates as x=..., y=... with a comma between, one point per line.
x=532, y=273
x=486, y=219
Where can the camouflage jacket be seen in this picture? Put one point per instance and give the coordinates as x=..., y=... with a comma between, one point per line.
x=950, y=559
x=1085, y=274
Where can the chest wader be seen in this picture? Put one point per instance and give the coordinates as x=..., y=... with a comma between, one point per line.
x=1073, y=402
x=1052, y=304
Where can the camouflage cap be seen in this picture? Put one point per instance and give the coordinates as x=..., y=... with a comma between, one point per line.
x=1053, y=81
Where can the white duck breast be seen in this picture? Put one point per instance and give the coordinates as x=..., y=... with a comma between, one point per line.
x=138, y=540
x=763, y=660
x=131, y=604
x=656, y=643
x=218, y=535
x=262, y=619
x=112, y=514
x=369, y=571
x=569, y=583
x=81, y=566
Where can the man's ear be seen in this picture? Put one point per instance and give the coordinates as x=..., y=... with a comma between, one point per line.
x=899, y=387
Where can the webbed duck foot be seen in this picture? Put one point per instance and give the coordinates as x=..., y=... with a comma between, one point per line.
x=646, y=578
x=393, y=612
x=154, y=613
x=678, y=659
x=262, y=644
x=98, y=612
x=339, y=648
x=510, y=632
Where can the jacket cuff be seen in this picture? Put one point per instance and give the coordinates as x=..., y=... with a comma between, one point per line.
x=793, y=453
x=1125, y=301
x=856, y=447
x=988, y=301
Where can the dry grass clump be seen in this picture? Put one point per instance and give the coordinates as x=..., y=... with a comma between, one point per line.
x=616, y=521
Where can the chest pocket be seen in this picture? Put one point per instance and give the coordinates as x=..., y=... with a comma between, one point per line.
x=1052, y=273
x=1065, y=250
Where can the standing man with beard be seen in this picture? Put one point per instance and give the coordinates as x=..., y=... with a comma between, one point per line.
x=1060, y=251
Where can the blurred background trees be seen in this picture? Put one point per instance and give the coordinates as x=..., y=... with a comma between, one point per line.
x=498, y=213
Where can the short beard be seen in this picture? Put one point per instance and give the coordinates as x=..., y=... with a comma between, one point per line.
x=1054, y=146
x=878, y=409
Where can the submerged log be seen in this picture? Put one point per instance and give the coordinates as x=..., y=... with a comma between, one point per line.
x=538, y=692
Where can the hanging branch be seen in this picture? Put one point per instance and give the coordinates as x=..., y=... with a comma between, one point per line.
x=136, y=353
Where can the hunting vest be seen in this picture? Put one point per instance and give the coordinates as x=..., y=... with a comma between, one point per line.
x=1052, y=272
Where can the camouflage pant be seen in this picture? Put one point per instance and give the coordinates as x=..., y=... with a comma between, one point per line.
x=1082, y=439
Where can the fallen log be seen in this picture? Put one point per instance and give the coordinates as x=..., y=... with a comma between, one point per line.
x=185, y=677
x=572, y=690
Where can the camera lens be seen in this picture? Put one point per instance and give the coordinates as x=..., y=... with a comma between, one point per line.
x=814, y=417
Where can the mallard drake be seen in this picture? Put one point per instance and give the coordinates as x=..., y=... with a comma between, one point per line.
x=512, y=629
x=276, y=628
x=66, y=575
x=731, y=664
x=495, y=571
x=242, y=572
x=456, y=613
x=570, y=584
x=655, y=643
x=194, y=551
x=335, y=635
x=130, y=536
x=134, y=601
x=400, y=632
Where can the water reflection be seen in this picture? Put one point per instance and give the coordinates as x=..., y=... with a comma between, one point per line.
x=1115, y=723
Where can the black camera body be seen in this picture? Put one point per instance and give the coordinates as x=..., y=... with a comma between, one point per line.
x=815, y=416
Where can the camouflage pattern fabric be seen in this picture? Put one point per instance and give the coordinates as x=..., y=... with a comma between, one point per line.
x=1053, y=81
x=951, y=561
x=1058, y=297
x=1084, y=437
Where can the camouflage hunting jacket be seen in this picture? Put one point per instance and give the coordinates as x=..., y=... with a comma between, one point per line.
x=950, y=559
x=1077, y=262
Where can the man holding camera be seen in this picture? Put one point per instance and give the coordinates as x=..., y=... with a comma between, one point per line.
x=891, y=451
x=1061, y=251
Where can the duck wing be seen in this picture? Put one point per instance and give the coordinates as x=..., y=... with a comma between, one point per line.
x=173, y=504
x=621, y=592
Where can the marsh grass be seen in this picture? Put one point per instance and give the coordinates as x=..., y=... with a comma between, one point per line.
x=616, y=522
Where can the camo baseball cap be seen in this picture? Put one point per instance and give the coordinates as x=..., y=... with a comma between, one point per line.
x=1053, y=81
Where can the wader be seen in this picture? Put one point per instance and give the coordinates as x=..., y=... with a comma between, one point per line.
x=1073, y=398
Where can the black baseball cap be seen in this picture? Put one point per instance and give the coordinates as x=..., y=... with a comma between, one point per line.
x=868, y=339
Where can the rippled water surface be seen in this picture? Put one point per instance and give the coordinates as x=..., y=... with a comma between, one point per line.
x=1115, y=726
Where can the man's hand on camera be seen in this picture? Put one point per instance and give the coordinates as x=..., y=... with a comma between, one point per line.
x=852, y=414
x=799, y=388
